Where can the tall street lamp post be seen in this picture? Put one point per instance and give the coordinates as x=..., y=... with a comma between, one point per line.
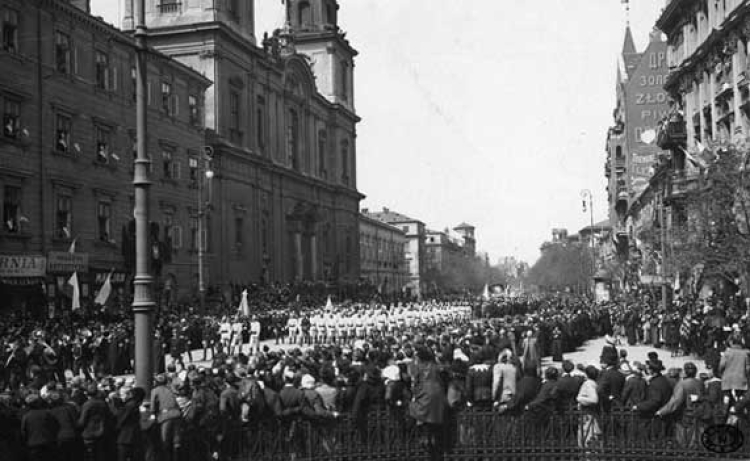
x=207, y=174
x=587, y=196
x=143, y=302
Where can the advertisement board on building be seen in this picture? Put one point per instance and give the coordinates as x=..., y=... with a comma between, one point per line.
x=59, y=262
x=647, y=104
x=14, y=266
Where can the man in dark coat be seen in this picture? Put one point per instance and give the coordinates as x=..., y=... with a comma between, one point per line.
x=128, y=424
x=634, y=391
x=39, y=430
x=94, y=421
x=66, y=414
x=568, y=386
x=610, y=381
x=291, y=398
x=547, y=399
x=658, y=392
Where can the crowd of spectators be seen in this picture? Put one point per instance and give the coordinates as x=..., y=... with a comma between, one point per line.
x=429, y=373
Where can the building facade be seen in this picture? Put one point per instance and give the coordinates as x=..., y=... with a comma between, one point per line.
x=641, y=103
x=383, y=255
x=414, y=253
x=633, y=155
x=67, y=150
x=281, y=119
x=708, y=83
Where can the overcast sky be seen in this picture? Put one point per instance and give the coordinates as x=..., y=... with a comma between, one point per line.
x=492, y=112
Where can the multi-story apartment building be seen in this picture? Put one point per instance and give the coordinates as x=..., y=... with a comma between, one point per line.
x=67, y=94
x=415, y=248
x=442, y=248
x=710, y=86
x=281, y=119
x=641, y=103
x=382, y=255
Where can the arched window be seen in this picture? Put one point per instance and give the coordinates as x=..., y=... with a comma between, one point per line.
x=618, y=152
x=304, y=14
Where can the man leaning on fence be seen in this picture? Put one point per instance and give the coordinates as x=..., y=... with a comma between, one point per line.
x=684, y=406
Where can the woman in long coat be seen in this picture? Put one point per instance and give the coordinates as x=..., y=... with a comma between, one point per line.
x=429, y=400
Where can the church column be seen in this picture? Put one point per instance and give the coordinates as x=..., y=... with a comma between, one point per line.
x=298, y=260
x=313, y=256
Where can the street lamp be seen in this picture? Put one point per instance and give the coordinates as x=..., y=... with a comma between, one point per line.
x=203, y=207
x=143, y=301
x=587, y=196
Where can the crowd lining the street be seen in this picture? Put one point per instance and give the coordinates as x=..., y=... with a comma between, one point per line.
x=429, y=361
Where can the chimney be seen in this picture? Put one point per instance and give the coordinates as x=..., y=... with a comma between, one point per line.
x=365, y=210
x=83, y=5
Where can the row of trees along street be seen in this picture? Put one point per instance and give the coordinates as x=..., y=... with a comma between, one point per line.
x=463, y=273
x=562, y=266
x=710, y=220
x=707, y=238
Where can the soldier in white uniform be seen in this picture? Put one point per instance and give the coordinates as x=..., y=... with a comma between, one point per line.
x=291, y=327
x=236, y=346
x=315, y=329
x=225, y=333
x=254, y=336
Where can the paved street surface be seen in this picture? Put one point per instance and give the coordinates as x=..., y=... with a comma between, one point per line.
x=591, y=350
x=588, y=355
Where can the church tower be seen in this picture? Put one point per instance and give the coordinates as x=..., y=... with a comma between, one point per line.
x=238, y=15
x=314, y=25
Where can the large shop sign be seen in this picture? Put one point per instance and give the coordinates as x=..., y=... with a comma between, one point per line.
x=22, y=266
x=59, y=262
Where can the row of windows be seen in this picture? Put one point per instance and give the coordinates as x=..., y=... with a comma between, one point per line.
x=175, y=6
x=64, y=222
x=105, y=75
x=293, y=144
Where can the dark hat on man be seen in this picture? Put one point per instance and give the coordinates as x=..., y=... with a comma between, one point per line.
x=655, y=366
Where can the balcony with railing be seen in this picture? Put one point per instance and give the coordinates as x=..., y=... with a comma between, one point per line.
x=671, y=131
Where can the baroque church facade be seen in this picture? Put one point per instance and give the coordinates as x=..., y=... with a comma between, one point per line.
x=282, y=204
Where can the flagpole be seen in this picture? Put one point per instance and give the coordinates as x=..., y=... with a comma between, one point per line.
x=143, y=303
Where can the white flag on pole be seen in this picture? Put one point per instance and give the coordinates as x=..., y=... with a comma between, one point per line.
x=244, y=306
x=105, y=291
x=73, y=281
x=72, y=248
x=486, y=292
x=329, y=304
